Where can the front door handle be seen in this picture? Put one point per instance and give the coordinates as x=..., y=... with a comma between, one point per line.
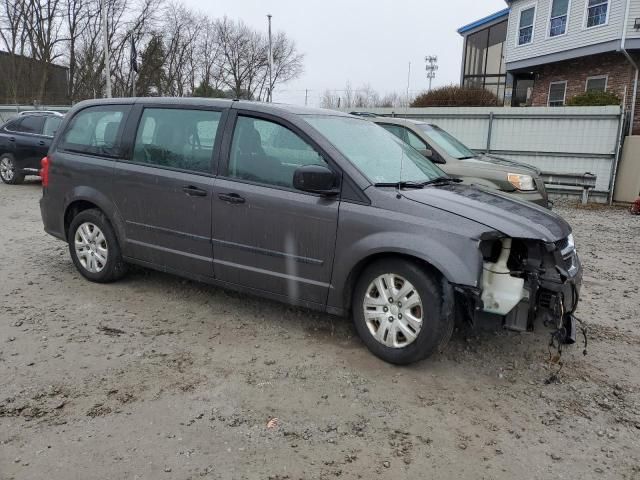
x=12, y=139
x=41, y=143
x=194, y=191
x=231, y=198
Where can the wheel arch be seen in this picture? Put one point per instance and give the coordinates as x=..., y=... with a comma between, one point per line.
x=86, y=198
x=363, y=263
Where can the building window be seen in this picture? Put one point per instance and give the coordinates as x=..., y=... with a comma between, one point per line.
x=557, y=93
x=597, y=11
x=525, y=29
x=484, y=65
x=596, y=84
x=558, y=20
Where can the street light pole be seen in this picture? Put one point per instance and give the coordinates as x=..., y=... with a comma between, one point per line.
x=106, y=49
x=270, y=96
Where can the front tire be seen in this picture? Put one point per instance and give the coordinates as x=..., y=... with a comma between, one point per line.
x=9, y=171
x=400, y=311
x=94, y=247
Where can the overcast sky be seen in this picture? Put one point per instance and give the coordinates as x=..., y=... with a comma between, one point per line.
x=362, y=41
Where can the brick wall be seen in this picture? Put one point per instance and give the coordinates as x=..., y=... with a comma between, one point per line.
x=575, y=72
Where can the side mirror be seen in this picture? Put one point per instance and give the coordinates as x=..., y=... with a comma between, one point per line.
x=427, y=152
x=316, y=179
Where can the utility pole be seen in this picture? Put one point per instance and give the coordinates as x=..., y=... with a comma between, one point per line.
x=133, y=64
x=408, y=82
x=106, y=48
x=270, y=62
x=306, y=96
x=431, y=67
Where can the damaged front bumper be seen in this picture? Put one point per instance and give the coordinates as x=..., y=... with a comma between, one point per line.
x=527, y=282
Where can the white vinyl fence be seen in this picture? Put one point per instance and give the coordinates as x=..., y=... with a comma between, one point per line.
x=554, y=139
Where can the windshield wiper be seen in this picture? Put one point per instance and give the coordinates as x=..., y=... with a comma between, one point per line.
x=403, y=184
x=414, y=184
x=441, y=181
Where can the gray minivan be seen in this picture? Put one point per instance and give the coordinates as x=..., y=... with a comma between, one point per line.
x=311, y=207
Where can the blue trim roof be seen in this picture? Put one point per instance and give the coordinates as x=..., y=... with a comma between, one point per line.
x=482, y=21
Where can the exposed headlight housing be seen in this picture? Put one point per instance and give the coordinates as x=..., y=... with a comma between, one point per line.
x=571, y=242
x=522, y=182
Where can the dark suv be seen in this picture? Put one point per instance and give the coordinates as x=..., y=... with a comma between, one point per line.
x=311, y=207
x=23, y=143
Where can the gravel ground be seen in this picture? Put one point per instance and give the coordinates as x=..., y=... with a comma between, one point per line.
x=157, y=377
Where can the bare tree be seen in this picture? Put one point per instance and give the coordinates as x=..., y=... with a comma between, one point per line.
x=43, y=23
x=184, y=51
x=287, y=64
x=89, y=59
x=366, y=97
x=127, y=20
x=362, y=97
x=242, y=56
x=209, y=52
x=180, y=32
x=141, y=20
x=330, y=99
x=14, y=39
x=390, y=100
x=78, y=15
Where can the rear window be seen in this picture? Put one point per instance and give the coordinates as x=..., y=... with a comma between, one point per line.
x=95, y=130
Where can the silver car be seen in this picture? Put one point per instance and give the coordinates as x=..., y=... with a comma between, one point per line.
x=457, y=160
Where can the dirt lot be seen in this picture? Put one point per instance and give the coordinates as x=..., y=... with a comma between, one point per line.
x=157, y=377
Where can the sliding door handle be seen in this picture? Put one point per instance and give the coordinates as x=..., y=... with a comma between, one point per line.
x=231, y=198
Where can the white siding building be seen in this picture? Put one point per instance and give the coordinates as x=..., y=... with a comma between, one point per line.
x=563, y=38
x=554, y=50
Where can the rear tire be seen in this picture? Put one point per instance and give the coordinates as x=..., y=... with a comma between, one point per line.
x=9, y=171
x=94, y=247
x=415, y=324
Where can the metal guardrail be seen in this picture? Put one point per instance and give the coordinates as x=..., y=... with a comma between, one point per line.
x=586, y=181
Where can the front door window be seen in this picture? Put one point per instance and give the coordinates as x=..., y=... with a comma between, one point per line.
x=268, y=153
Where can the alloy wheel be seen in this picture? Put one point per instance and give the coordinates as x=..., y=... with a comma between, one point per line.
x=7, y=169
x=393, y=310
x=91, y=247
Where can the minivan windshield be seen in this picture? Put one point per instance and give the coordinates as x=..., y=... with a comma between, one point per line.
x=447, y=142
x=378, y=154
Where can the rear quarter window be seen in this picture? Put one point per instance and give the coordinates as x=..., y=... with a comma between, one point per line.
x=12, y=126
x=95, y=131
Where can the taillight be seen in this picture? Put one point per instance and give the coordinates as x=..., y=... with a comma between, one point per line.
x=44, y=171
